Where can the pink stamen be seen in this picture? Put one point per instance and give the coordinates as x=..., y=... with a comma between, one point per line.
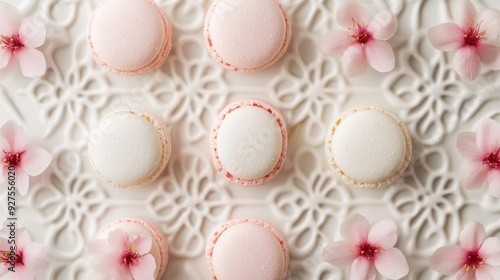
x=473, y=261
x=474, y=35
x=359, y=33
x=130, y=256
x=11, y=159
x=367, y=251
x=11, y=43
x=492, y=160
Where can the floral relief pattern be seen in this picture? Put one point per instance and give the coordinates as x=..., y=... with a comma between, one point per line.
x=311, y=89
x=314, y=203
x=186, y=201
x=307, y=201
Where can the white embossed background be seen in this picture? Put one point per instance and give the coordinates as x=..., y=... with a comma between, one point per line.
x=307, y=201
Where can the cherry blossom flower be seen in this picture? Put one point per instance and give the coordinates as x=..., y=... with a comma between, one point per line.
x=367, y=248
x=482, y=150
x=18, y=40
x=478, y=257
x=122, y=255
x=473, y=38
x=27, y=160
x=29, y=257
x=363, y=41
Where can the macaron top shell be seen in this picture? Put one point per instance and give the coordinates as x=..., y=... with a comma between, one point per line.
x=247, y=249
x=129, y=148
x=127, y=35
x=249, y=143
x=247, y=35
x=369, y=147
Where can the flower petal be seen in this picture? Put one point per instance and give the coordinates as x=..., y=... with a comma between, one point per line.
x=489, y=54
x=339, y=253
x=35, y=160
x=35, y=257
x=494, y=182
x=362, y=269
x=4, y=146
x=23, y=238
x=474, y=175
x=467, y=63
x=466, y=275
x=391, y=263
x=466, y=13
x=382, y=26
x=354, y=60
x=4, y=57
x=467, y=146
x=446, y=37
x=8, y=70
x=32, y=32
x=380, y=55
x=488, y=136
x=23, y=273
x=335, y=42
x=22, y=182
x=118, y=240
x=383, y=233
x=490, y=251
x=15, y=136
x=349, y=11
x=97, y=246
x=447, y=260
x=355, y=229
x=144, y=269
x=31, y=61
x=472, y=236
x=11, y=19
x=489, y=20
x=142, y=242
x=488, y=272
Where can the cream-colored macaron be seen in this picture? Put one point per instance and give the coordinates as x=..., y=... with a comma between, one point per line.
x=368, y=147
x=129, y=148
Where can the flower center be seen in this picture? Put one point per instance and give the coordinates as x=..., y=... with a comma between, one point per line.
x=6, y=257
x=130, y=256
x=492, y=160
x=367, y=251
x=473, y=35
x=11, y=159
x=473, y=261
x=359, y=33
x=11, y=43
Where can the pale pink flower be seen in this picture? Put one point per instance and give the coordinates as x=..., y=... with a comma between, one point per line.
x=367, y=248
x=29, y=257
x=28, y=160
x=123, y=255
x=363, y=41
x=473, y=37
x=482, y=150
x=18, y=40
x=478, y=257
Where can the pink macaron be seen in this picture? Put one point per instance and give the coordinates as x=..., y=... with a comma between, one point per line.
x=129, y=37
x=129, y=248
x=247, y=36
x=249, y=142
x=247, y=249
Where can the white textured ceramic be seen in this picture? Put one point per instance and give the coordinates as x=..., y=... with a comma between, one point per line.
x=67, y=205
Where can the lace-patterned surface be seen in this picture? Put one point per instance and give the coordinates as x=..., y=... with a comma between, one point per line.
x=67, y=205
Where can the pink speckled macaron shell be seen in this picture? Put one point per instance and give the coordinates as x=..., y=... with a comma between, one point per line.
x=136, y=56
x=284, y=145
x=215, y=236
x=249, y=49
x=156, y=234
